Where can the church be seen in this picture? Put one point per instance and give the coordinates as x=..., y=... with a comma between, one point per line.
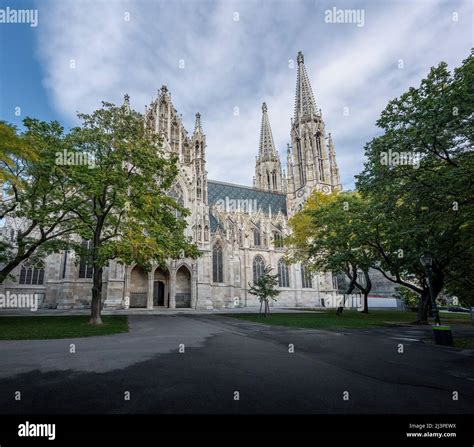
x=239, y=229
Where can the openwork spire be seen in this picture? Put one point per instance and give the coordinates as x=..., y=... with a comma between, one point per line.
x=197, y=124
x=304, y=100
x=126, y=102
x=267, y=147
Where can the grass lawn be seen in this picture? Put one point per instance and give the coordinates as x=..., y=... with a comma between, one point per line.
x=44, y=327
x=349, y=319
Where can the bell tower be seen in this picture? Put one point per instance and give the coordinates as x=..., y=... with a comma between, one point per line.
x=312, y=160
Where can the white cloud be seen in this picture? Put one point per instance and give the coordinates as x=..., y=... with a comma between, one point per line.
x=241, y=64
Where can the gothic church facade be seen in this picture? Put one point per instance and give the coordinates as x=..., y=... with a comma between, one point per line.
x=239, y=229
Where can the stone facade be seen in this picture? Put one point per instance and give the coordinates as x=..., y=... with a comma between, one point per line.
x=237, y=228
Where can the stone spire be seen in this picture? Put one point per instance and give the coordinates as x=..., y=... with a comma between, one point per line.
x=197, y=124
x=305, y=105
x=266, y=149
x=198, y=146
x=334, y=170
x=126, y=102
x=312, y=162
x=267, y=165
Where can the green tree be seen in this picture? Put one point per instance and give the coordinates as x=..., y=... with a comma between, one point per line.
x=36, y=193
x=329, y=234
x=419, y=178
x=13, y=148
x=125, y=206
x=408, y=296
x=265, y=288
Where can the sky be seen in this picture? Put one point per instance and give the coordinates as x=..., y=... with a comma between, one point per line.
x=219, y=57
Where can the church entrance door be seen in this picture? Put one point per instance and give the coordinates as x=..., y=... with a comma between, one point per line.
x=158, y=293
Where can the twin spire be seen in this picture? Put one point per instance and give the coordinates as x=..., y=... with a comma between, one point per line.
x=305, y=105
x=266, y=149
x=268, y=175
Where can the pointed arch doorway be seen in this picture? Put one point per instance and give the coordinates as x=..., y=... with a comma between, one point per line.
x=183, y=287
x=161, y=288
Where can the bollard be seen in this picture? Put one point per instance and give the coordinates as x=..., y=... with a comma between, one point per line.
x=443, y=335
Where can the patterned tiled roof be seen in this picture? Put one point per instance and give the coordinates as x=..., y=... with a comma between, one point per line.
x=242, y=197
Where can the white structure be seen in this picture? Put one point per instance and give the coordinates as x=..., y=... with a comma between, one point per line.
x=237, y=228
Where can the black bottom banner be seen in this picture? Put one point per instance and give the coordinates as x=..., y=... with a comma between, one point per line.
x=401, y=429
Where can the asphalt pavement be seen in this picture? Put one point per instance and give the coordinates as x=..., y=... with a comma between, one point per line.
x=214, y=364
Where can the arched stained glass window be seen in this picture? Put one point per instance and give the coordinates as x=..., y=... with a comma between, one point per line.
x=306, y=279
x=85, y=265
x=217, y=264
x=283, y=274
x=32, y=274
x=258, y=267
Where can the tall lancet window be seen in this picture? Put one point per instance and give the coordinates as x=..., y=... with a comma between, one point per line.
x=321, y=170
x=318, y=145
x=258, y=267
x=164, y=117
x=217, y=264
x=320, y=157
x=283, y=274
x=197, y=152
x=174, y=137
x=85, y=265
x=198, y=188
x=306, y=279
x=256, y=236
x=301, y=163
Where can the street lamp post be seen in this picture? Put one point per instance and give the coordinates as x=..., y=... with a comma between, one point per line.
x=426, y=260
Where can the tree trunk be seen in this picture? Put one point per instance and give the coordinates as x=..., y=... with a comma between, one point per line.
x=6, y=271
x=96, y=319
x=349, y=290
x=16, y=261
x=261, y=302
x=423, y=306
x=365, y=309
x=366, y=290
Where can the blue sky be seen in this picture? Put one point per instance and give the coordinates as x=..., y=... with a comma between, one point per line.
x=136, y=46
